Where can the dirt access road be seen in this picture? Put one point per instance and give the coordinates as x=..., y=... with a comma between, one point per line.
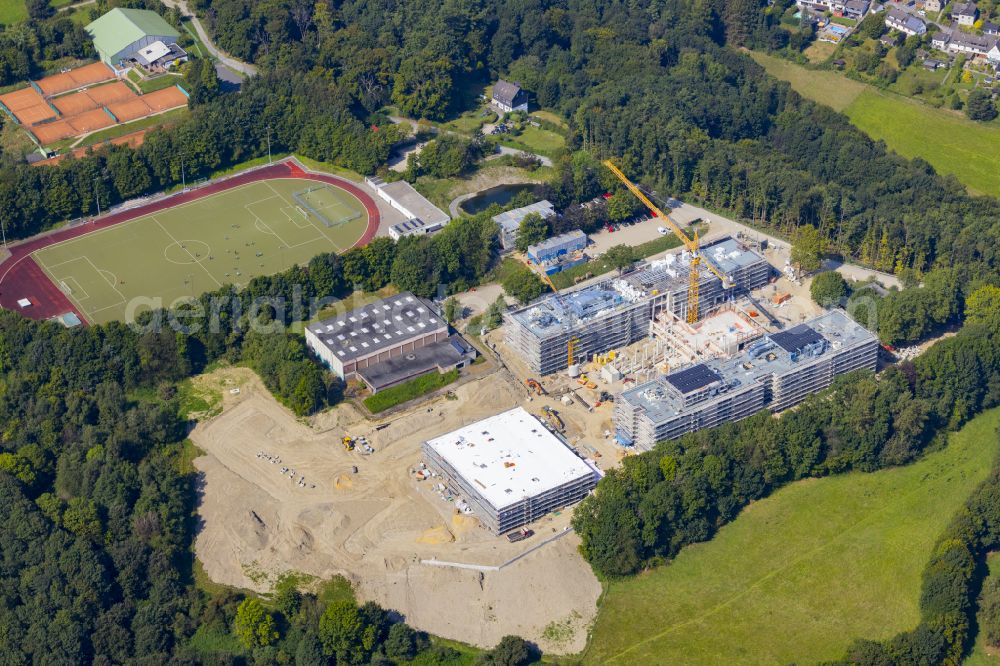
x=376, y=527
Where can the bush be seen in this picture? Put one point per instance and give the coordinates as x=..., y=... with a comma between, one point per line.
x=829, y=289
x=980, y=106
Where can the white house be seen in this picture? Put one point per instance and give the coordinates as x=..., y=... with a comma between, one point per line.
x=509, y=97
x=964, y=13
x=904, y=23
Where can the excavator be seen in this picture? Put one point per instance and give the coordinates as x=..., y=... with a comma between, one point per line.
x=691, y=244
x=535, y=386
x=348, y=443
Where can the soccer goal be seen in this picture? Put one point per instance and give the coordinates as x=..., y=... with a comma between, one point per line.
x=326, y=205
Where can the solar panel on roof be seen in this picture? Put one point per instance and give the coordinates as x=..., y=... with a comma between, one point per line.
x=693, y=378
x=795, y=338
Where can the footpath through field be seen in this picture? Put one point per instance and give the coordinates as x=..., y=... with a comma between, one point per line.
x=22, y=278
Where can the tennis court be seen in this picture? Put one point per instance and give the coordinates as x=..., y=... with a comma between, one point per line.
x=224, y=238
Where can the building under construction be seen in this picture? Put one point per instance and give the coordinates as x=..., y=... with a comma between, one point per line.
x=510, y=469
x=776, y=372
x=617, y=312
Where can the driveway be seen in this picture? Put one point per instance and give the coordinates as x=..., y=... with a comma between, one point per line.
x=229, y=61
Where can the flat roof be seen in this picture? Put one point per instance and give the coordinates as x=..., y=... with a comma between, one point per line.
x=558, y=313
x=558, y=241
x=661, y=398
x=511, y=220
x=444, y=354
x=418, y=205
x=693, y=378
x=153, y=52
x=509, y=457
x=377, y=326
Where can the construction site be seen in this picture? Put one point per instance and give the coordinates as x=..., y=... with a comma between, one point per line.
x=460, y=506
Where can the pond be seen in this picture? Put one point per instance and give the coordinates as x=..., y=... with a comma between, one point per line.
x=500, y=195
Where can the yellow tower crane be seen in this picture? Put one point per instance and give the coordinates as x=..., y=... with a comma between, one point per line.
x=692, y=244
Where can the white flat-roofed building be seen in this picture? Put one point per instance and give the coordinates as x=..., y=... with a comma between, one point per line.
x=510, y=469
x=422, y=217
x=375, y=333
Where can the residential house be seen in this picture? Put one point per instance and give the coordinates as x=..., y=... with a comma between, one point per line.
x=994, y=55
x=964, y=13
x=991, y=29
x=852, y=9
x=976, y=46
x=939, y=40
x=904, y=23
x=509, y=97
x=889, y=39
x=931, y=6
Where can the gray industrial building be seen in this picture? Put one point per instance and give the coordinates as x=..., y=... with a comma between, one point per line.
x=510, y=469
x=617, y=311
x=777, y=372
x=393, y=327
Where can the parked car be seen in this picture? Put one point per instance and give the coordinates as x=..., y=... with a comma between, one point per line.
x=662, y=230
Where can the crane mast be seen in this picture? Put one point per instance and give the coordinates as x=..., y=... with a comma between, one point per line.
x=691, y=244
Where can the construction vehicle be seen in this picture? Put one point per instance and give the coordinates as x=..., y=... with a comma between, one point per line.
x=348, y=443
x=552, y=416
x=519, y=535
x=535, y=386
x=691, y=244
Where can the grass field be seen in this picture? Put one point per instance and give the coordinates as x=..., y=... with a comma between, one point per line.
x=947, y=140
x=225, y=238
x=12, y=11
x=397, y=395
x=801, y=574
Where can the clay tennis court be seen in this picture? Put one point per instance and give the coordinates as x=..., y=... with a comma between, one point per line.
x=75, y=78
x=21, y=99
x=27, y=106
x=93, y=98
x=70, y=105
x=168, y=98
x=129, y=110
x=52, y=132
x=90, y=121
x=108, y=94
x=35, y=114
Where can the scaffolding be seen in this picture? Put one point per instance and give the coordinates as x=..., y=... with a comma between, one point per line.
x=775, y=372
x=616, y=312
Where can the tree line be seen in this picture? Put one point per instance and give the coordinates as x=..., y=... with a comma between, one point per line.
x=683, y=490
x=948, y=596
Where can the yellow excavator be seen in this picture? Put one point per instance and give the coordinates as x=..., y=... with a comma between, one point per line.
x=348, y=443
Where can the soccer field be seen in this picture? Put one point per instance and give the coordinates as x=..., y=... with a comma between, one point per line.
x=259, y=228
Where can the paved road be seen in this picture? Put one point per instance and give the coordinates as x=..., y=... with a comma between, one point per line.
x=501, y=150
x=229, y=61
x=504, y=150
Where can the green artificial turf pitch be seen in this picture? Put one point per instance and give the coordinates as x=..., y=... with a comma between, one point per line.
x=184, y=251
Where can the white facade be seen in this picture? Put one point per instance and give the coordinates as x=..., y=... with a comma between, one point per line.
x=511, y=469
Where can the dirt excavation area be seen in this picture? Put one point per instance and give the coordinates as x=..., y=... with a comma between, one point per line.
x=282, y=495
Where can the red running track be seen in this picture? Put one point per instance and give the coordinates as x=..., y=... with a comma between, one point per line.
x=21, y=277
